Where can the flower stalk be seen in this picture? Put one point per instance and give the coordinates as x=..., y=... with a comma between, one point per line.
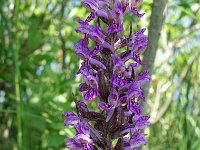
x=111, y=80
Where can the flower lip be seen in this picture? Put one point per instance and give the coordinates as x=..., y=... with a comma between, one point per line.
x=90, y=94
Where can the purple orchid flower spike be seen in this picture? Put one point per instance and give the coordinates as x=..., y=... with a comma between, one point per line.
x=111, y=79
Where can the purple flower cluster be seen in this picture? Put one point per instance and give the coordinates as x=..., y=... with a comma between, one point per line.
x=111, y=80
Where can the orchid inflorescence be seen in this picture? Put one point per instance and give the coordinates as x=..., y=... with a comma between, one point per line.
x=111, y=80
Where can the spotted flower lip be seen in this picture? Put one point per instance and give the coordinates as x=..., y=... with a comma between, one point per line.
x=115, y=28
x=117, y=80
x=83, y=87
x=134, y=108
x=90, y=94
x=111, y=77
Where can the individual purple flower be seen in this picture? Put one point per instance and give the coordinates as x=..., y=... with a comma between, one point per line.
x=113, y=102
x=135, y=12
x=143, y=77
x=141, y=121
x=134, y=90
x=72, y=118
x=90, y=94
x=88, y=91
x=115, y=28
x=95, y=7
x=85, y=67
x=136, y=140
x=118, y=12
x=119, y=65
x=108, y=108
x=97, y=63
x=117, y=80
x=83, y=87
x=83, y=106
x=82, y=139
x=84, y=53
x=82, y=49
x=94, y=33
x=139, y=42
x=128, y=128
x=89, y=88
x=133, y=108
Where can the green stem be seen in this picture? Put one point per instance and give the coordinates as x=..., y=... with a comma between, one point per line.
x=15, y=52
x=14, y=47
x=18, y=99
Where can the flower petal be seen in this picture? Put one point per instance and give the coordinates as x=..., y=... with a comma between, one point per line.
x=90, y=94
x=72, y=118
x=137, y=139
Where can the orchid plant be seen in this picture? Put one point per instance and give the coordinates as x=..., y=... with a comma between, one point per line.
x=112, y=80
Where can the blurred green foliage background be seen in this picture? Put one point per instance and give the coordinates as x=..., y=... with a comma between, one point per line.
x=38, y=74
